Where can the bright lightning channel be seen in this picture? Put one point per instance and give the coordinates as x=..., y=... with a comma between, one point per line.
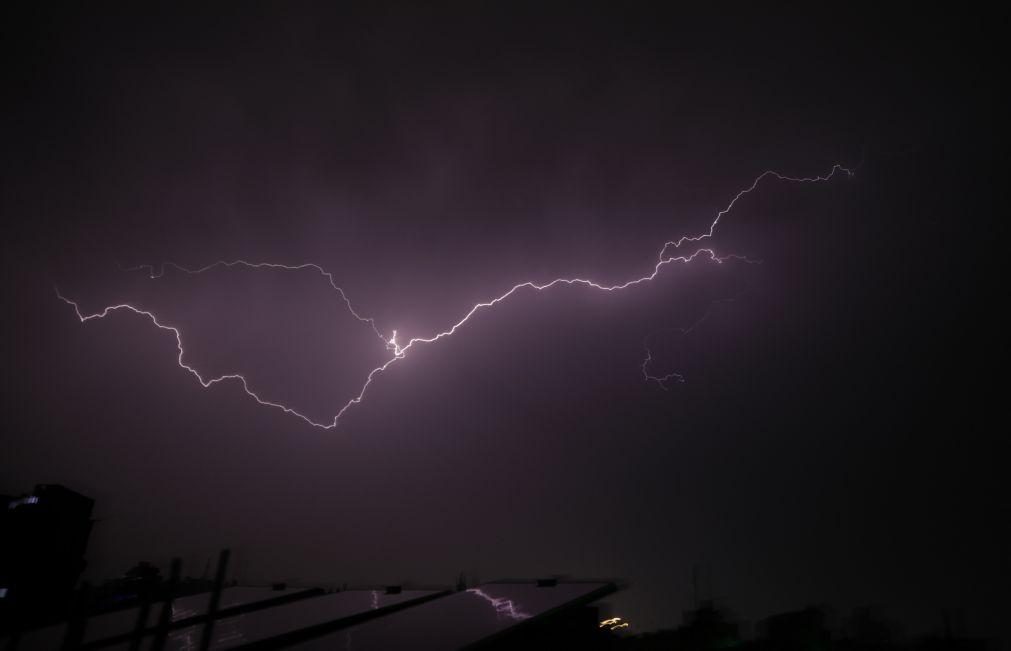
x=399, y=351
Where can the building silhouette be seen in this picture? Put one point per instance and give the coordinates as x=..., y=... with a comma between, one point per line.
x=43, y=537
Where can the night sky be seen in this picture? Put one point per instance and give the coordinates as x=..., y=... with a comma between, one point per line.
x=837, y=437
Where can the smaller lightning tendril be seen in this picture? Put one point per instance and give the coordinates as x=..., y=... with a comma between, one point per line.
x=662, y=380
x=158, y=272
x=400, y=350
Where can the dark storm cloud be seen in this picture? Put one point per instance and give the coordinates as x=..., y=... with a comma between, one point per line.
x=828, y=444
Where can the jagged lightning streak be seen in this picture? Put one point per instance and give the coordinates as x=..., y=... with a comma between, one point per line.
x=206, y=383
x=399, y=351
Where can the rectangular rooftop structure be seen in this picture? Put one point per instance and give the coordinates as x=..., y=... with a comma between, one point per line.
x=291, y=622
x=499, y=615
x=103, y=629
x=122, y=622
x=462, y=619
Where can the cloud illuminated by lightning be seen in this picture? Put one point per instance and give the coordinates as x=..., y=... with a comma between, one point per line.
x=398, y=351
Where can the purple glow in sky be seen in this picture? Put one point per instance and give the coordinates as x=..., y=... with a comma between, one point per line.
x=416, y=275
x=399, y=351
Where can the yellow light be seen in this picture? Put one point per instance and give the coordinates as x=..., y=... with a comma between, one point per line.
x=613, y=624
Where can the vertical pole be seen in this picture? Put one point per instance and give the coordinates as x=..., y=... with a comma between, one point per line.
x=212, y=609
x=139, y=626
x=165, y=618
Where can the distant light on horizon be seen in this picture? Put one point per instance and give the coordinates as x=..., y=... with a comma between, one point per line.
x=613, y=624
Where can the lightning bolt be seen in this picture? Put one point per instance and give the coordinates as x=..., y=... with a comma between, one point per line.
x=668, y=255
